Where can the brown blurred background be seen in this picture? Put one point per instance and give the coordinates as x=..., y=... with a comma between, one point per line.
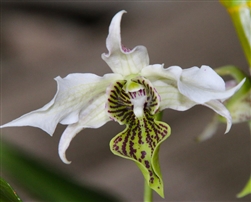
x=40, y=41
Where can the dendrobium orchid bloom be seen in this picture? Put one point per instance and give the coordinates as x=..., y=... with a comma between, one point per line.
x=132, y=95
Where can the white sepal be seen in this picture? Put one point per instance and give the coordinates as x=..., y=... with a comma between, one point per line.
x=220, y=109
x=119, y=58
x=204, y=84
x=74, y=93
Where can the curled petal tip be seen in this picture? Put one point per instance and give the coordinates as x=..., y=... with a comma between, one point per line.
x=228, y=128
x=63, y=157
x=229, y=123
x=120, y=59
x=65, y=140
x=122, y=12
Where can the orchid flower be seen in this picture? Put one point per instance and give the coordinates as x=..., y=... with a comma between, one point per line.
x=132, y=95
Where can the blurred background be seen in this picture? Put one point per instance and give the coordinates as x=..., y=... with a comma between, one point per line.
x=42, y=40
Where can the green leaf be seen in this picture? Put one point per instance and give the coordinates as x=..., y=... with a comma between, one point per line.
x=246, y=190
x=7, y=194
x=46, y=183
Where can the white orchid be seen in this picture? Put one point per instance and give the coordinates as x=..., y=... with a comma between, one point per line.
x=132, y=95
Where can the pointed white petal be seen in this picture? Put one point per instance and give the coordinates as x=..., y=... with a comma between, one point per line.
x=93, y=116
x=204, y=84
x=121, y=59
x=34, y=119
x=113, y=40
x=65, y=140
x=220, y=109
x=75, y=93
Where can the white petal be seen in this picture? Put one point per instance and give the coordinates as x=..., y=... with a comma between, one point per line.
x=200, y=85
x=220, y=109
x=171, y=97
x=165, y=82
x=65, y=140
x=75, y=92
x=122, y=60
x=158, y=72
x=34, y=119
x=205, y=76
x=93, y=116
x=204, y=84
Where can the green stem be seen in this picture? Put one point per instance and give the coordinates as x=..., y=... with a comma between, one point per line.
x=232, y=70
x=241, y=18
x=238, y=75
x=147, y=193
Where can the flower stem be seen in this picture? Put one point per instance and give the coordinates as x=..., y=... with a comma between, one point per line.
x=240, y=14
x=147, y=193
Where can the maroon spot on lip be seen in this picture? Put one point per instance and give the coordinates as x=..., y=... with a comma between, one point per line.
x=115, y=147
x=147, y=164
x=143, y=154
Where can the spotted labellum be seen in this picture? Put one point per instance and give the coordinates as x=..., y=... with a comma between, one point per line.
x=133, y=95
x=143, y=134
